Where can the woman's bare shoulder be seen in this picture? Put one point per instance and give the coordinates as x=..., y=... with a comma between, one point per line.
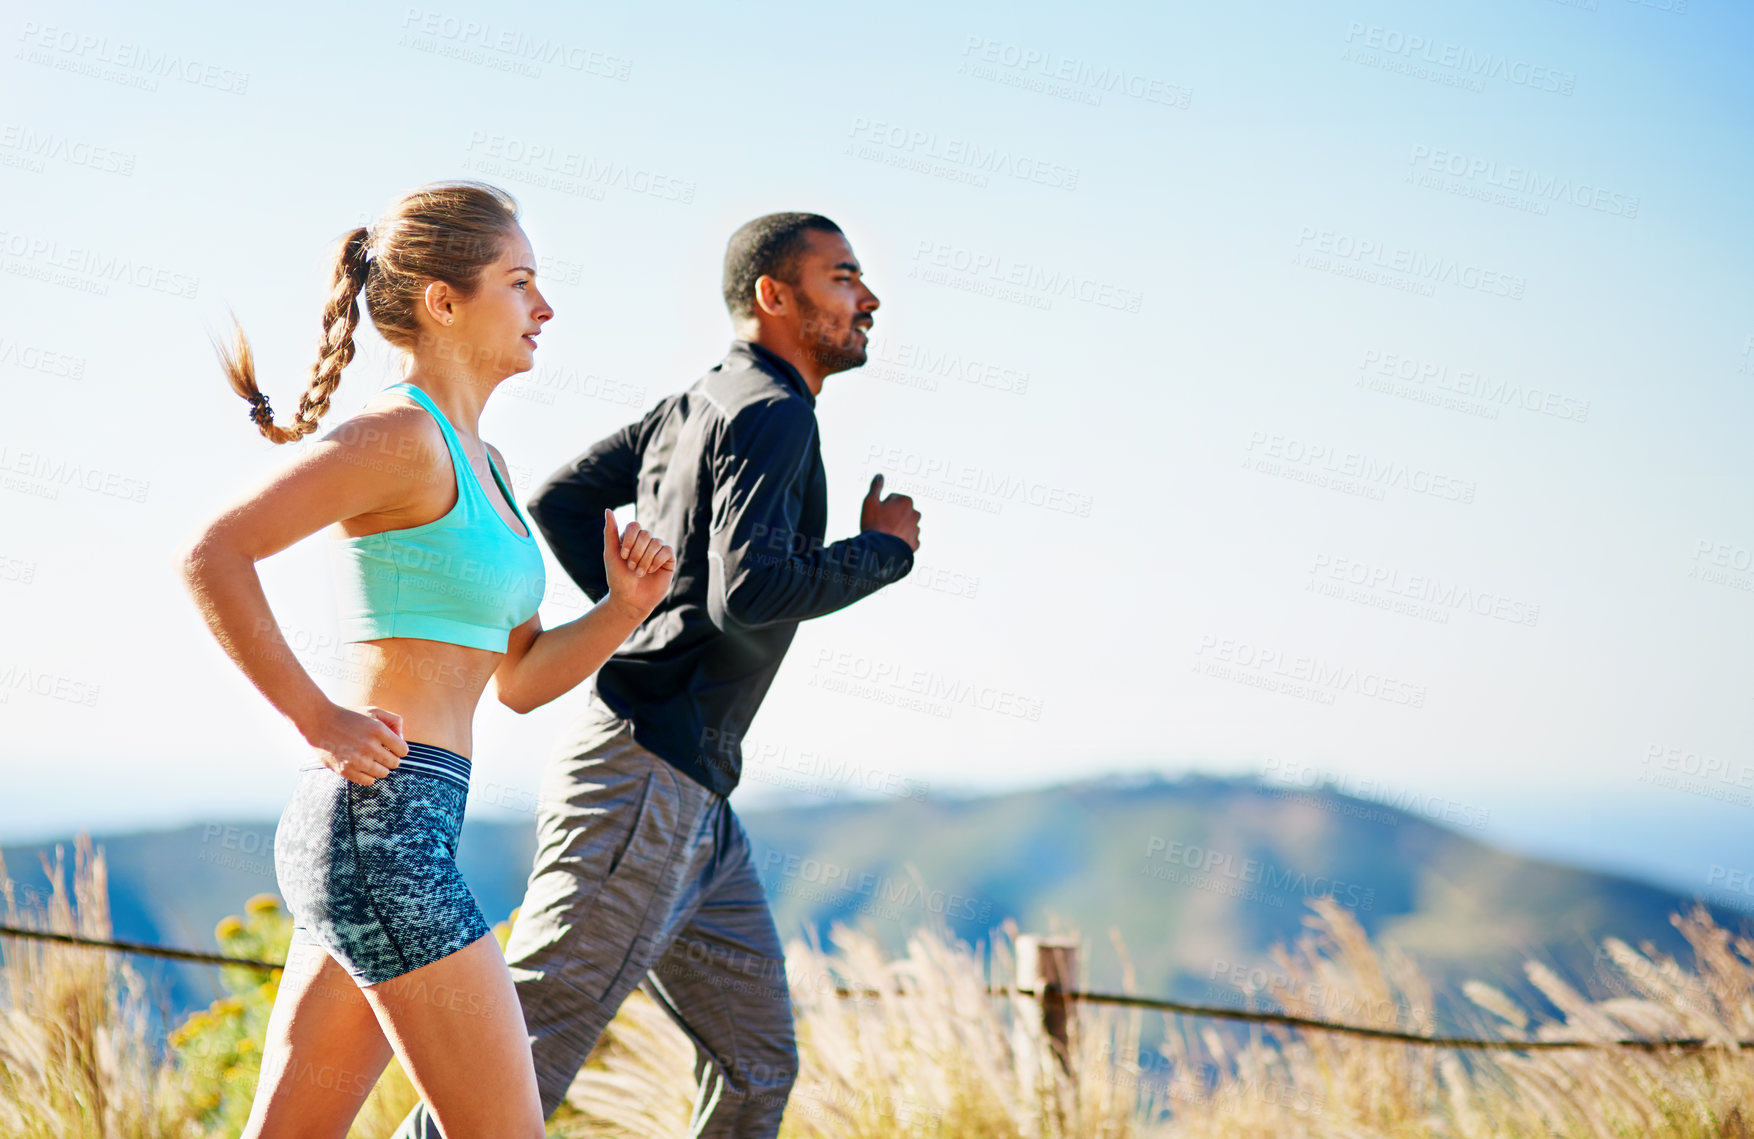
x=392, y=430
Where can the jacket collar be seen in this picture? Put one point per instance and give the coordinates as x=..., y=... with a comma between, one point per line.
x=772, y=362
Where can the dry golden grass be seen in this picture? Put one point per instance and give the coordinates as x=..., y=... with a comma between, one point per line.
x=1283, y=1083
x=932, y=1056
x=76, y=1056
x=929, y=1054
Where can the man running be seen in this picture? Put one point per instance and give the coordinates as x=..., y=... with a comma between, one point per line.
x=643, y=871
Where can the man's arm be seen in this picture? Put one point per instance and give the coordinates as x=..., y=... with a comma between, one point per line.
x=761, y=571
x=568, y=508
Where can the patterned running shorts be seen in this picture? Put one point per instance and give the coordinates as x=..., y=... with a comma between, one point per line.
x=370, y=873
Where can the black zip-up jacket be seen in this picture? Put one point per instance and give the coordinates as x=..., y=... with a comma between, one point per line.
x=729, y=473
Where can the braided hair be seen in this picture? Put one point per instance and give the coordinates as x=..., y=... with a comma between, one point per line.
x=446, y=231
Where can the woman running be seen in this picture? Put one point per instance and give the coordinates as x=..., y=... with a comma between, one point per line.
x=439, y=576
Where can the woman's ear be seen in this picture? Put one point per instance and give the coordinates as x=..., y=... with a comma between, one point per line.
x=437, y=298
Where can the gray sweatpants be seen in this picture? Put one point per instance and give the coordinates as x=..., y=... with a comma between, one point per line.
x=643, y=875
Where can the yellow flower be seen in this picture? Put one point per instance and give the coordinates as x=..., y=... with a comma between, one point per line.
x=502, y=932
x=227, y=1006
x=262, y=904
x=246, y=1045
x=228, y=927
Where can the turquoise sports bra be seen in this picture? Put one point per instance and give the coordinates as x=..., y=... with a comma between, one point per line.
x=466, y=578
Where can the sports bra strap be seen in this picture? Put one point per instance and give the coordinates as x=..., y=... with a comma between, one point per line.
x=460, y=462
x=424, y=400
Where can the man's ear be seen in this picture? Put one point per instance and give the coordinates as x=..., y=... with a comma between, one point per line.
x=773, y=297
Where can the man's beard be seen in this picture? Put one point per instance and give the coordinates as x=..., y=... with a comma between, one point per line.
x=831, y=351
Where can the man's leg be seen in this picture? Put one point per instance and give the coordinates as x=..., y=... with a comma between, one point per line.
x=614, y=834
x=723, y=980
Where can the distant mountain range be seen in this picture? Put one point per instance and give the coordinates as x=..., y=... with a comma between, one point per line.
x=1199, y=876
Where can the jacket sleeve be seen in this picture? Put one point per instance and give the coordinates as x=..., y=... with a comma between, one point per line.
x=760, y=569
x=568, y=508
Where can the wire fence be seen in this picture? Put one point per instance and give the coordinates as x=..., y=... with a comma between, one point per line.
x=1126, y=1000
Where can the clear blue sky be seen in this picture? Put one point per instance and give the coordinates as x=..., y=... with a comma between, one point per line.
x=1294, y=388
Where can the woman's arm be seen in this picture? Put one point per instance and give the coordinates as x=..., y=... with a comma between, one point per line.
x=542, y=664
x=378, y=462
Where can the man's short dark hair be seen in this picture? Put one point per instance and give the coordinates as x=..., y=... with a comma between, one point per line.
x=768, y=246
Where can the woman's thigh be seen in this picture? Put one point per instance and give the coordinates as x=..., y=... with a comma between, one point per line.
x=322, y=1054
x=458, y=1029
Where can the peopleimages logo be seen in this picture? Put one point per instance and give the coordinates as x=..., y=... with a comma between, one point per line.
x=1446, y=596
x=1731, y=880
x=961, y=152
x=135, y=65
x=995, y=486
x=19, y=570
x=1293, y=777
x=1421, y=267
x=1051, y=67
x=862, y=674
x=1227, y=657
x=36, y=256
x=1275, y=449
x=826, y=772
x=53, y=685
x=1464, y=61
x=1522, y=180
x=40, y=146
x=933, y=364
x=1469, y=384
x=50, y=473
x=514, y=44
x=576, y=170
x=935, y=260
x=835, y=881
x=39, y=359
x=1253, y=871
x=1699, y=766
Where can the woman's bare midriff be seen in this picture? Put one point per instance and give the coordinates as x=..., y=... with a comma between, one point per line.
x=432, y=685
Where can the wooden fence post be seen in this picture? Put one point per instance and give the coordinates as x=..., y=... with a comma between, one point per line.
x=1046, y=968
